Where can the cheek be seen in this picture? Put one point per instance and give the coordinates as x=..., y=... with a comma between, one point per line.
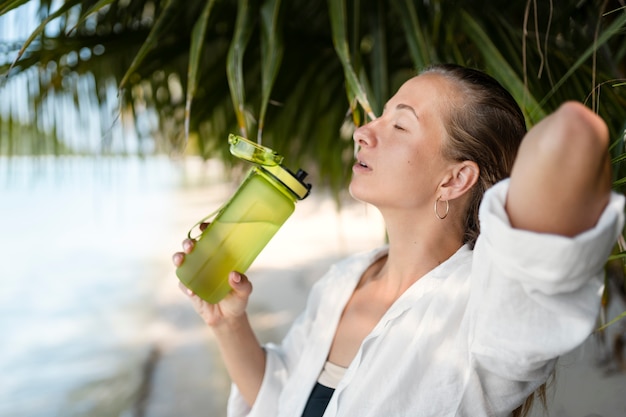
x=404, y=177
x=418, y=175
x=410, y=167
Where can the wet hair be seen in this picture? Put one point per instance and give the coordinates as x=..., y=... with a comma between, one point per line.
x=484, y=125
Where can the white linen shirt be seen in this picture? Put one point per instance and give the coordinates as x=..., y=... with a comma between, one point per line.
x=473, y=337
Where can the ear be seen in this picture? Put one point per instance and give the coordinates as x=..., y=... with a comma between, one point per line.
x=462, y=178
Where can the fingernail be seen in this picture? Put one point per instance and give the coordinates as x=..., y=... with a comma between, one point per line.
x=236, y=277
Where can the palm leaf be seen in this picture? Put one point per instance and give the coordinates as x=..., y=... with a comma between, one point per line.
x=618, y=183
x=234, y=63
x=383, y=38
x=271, y=55
x=93, y=9
x=415, y=37
x=379, y=60
x=618, y=159
x=195, y=51
x=337, y=12
x=613, y=321
x=7, y=6
x=151, y=41
x=40, y=29
x=613, y=29
x=498, y=66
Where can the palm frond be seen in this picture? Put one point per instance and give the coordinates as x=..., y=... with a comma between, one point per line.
x=195, y=52
x=241, y=63
x=234, y=64
x=271, y=55
x=337, y=11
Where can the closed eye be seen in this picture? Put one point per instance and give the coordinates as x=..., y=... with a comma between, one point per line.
x=396, y=126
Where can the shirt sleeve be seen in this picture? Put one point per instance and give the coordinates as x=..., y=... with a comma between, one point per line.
x=280, y=360
x=535, y=296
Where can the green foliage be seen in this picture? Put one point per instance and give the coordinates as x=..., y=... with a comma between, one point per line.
x=300, y=73
x=355, y=91
x=195, y=53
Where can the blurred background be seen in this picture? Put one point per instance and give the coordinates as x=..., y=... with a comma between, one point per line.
x=92, y=320
x=113, y=123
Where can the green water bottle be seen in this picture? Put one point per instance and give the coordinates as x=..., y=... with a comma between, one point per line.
x=244, y=224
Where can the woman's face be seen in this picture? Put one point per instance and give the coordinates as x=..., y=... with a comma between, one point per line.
x=399, y=163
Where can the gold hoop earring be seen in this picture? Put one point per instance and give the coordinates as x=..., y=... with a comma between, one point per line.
x=437, y=209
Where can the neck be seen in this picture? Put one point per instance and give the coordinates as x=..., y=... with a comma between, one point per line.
x=416, y=248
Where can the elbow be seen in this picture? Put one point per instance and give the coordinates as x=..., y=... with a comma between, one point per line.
x=563, y=180
x=578, y=146
x=581, y=133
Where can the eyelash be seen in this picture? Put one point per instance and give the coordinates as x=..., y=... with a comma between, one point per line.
x=395, y=126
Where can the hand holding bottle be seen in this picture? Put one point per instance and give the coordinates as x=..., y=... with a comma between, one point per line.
x=242, y=227
x=233, y=306
x=243, y=356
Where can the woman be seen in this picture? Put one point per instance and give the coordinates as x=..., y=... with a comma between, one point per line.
x=442, y=321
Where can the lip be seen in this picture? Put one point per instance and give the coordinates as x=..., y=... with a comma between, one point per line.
x=360, y=165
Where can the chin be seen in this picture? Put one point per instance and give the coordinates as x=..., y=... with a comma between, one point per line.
x=353, y=190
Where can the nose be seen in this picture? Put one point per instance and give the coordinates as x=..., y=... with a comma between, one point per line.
x=364, y=135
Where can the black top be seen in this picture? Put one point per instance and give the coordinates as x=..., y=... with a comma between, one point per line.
x=318, y=401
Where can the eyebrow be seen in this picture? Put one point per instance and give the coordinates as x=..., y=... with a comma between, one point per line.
x=407, y=107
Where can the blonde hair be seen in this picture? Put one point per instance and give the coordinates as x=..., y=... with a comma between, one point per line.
x=484, y=125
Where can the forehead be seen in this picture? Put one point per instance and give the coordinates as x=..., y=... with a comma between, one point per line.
x=426, y=93
x=430, y=85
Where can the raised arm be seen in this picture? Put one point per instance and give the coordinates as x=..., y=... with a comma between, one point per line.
x=561, y=179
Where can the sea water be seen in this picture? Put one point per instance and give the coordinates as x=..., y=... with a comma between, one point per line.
x=84, y=243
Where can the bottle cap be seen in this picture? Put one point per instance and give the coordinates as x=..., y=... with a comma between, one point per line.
x=271, y=162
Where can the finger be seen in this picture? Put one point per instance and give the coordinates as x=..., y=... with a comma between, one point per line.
x=184, y=289
x=240, y=283
x=188, y=245
x=178, y=258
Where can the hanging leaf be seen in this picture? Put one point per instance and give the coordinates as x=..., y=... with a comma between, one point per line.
x=195, y=52
x=618, y=159
x=618, y=26
x=337, y=13
x=152, y=40
x=40, y=29
x=615, y=320
x=379, y=60
x=271, y=55
x=234, y=63
x=93, y=9
x=498, y=67
x=619, y=182
x=414, y=35
x=7, y=6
